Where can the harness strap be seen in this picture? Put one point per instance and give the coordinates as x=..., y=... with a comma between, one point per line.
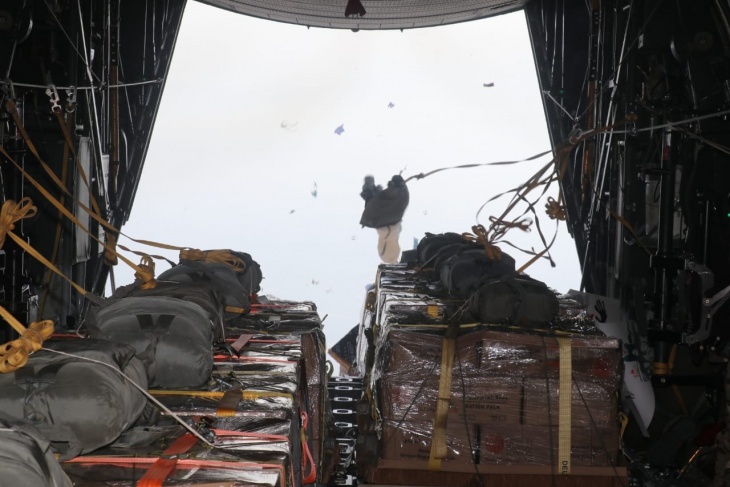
x=438, y=441
x=15, y=353
x=311, y=477
x=165, y=465
x=228, y=403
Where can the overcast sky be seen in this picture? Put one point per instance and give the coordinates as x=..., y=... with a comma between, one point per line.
x=244, y=153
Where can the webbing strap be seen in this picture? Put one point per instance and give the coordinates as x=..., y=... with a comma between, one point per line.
x=12, y=212
x=186, y=463
x=70, y=215
x=164, y=466
x=438, y=441
x=248, y=434
x=228, y=403
x=15, y=354
x=246, y=395
x=311, y=477
x=241, y=342
x=565, y=399
x=235, y=309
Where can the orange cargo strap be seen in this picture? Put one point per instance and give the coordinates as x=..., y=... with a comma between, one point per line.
x=311, y=477
x=165, y=465
x=438, y=441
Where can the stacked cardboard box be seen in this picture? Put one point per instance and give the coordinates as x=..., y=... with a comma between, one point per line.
x=496, y=402
x=265, y=407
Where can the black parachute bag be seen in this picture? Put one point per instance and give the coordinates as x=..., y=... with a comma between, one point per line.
x=173, y=338
x=430, y=245
x=252, y=276
x=205, y=296
x=77, y=404
x=236, y=288
x=515, y=300
x=26, y=458
x=467, y=266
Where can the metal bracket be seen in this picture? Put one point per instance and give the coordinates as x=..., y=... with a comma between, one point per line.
x=71, y=99
x=9, y=89
x=54, y=98
x=710, y=305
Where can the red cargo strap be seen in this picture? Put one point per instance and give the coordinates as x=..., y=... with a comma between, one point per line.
x=311, y=477
x=241, y=342
x=163, y=467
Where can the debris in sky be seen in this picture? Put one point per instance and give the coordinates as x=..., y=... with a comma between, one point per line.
x=354, y=7
x=315, y=282
x=391, y=104
x=340, y=129
x=289, y=126
x=314, y=191
x=292, y=211
x=488, y=85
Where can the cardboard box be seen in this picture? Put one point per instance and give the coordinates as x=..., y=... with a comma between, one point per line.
x=491, y=400
x=495, y=444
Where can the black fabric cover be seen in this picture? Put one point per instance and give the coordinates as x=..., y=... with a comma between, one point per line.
x=205, y=296
x=515, y=300
x=463, y=271
x=26, y=458
x=220, y=276
x=429, y=245
x=250, y=278
x=386, y=207
x=78, y=405
x=173, y=338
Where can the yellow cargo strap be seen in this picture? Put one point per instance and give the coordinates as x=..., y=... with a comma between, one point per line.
x=235, y=309
x=432, y=310
x=15, y=353
x=439, y=447
x=12, y=212
x=565, y=399
x=245, y=395
x=110, y=254
x=223, y=256
x=146, y=278
x=11, y=108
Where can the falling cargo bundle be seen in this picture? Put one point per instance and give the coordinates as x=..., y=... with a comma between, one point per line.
x=470, y=372
x=236, y=388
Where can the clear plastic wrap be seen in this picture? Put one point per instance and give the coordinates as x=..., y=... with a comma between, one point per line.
x=256, y=405
x=127, y=475
x=504, y=389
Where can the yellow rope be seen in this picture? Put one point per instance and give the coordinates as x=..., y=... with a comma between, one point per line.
x=223, y=256
x=68, y=215
x=10, y=213
x=554, y=209
x=481, y=236
x=145, y=272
